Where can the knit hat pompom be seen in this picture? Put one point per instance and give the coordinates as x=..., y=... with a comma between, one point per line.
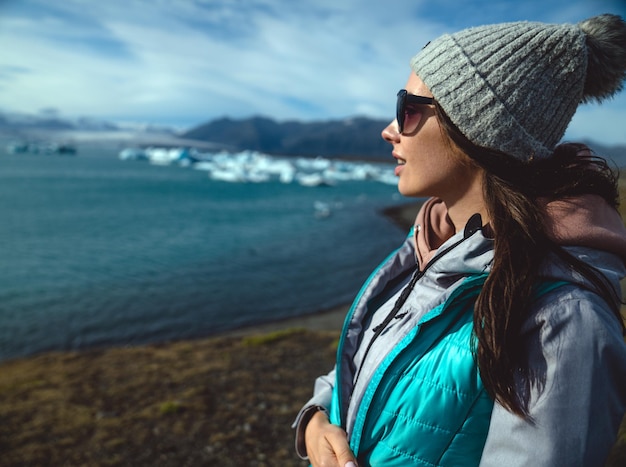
x=606, y=56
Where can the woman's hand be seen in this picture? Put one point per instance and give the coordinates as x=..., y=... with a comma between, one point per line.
x=327, y=444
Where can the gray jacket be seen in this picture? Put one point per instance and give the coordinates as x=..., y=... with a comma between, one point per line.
x=572, y=338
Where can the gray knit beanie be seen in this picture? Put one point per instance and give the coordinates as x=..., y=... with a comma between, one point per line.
x=514, y=87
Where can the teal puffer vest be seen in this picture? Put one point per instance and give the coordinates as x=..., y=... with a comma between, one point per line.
x=426, y=404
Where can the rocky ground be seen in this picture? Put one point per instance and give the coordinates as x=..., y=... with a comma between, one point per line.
x=224, y=401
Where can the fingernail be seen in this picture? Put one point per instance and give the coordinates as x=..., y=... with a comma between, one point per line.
x=350, y=464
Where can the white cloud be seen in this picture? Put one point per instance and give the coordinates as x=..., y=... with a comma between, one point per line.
x=190, y=61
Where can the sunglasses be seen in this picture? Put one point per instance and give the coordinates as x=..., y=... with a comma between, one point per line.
x=407, y=115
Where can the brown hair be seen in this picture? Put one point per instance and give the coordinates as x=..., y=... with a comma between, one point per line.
x=511, y=190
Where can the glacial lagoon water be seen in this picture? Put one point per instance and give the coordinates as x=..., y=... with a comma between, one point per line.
x=98, y=251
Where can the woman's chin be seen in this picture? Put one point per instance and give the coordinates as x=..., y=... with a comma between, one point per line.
x=408, y=191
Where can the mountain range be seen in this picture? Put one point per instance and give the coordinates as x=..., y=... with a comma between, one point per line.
x=357, y=137
x=353, y=137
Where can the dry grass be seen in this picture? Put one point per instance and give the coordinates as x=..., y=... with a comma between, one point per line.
x=221, y=401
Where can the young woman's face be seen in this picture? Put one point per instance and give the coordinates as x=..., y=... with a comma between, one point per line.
x=427, y=163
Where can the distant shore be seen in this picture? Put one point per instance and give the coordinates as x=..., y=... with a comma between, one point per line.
x=403, y=215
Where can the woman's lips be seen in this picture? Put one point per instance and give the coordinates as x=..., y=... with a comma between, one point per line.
x=401, y=162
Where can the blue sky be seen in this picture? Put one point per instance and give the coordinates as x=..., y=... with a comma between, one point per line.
x=184, y=62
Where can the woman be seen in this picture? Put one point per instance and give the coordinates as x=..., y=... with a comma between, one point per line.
x=503, y=343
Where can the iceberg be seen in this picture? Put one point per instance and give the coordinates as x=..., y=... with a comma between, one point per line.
x=256, y=167
x=133, y=154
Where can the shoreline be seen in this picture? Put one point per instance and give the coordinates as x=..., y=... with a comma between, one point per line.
x=323, y=320
x=403, y=215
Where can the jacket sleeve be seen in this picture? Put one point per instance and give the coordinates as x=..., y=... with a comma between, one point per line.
x=576, y=387
x=322, y=396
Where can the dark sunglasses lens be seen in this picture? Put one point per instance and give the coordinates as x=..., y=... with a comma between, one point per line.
x=400, y=109
x=408, y=114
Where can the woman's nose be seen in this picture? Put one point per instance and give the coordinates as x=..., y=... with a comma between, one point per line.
x=390, y=132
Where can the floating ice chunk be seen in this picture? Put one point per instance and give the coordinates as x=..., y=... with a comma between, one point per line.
x=321, y=209
x=314, y=179
x=132, y=154
x=231, y=176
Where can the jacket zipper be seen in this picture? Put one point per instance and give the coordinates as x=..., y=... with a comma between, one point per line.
x=473, y=225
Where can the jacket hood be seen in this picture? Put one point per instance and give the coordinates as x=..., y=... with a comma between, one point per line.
x=432, y=228
x=586, y=221
x=586, y=226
